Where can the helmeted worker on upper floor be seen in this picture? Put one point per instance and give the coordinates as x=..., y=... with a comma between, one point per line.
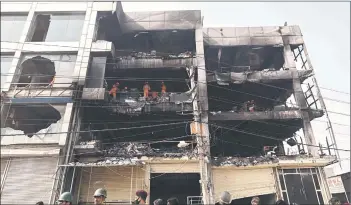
x=100, y=196
x=146, y=89
x=163, y=88
x=141, y=197
x=114, y=90
x=65, y=199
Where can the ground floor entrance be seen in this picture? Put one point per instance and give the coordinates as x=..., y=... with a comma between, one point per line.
x=179, y=185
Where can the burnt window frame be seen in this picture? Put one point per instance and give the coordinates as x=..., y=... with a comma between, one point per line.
x=34, y=23
x=314, y=172
x=23, y=57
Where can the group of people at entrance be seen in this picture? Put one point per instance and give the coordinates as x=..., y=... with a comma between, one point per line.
x=225, y=198
x=100, y=196
x=146, y=88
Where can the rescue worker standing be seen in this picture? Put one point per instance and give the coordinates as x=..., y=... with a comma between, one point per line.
x=99, y=196
x=114, y=90
x=146, y=89
x=65, y=199
x=163, y=89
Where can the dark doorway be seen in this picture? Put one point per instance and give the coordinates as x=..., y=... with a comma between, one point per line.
x=174, y=185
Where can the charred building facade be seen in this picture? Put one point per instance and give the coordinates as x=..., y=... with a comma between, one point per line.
x=93, y=97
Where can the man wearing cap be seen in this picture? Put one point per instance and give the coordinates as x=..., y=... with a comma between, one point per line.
x=99, y=196
x=141, y=197
x=65, y=199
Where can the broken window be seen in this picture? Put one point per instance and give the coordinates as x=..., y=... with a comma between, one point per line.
x=6, y=61
x=33, y=120
x=40, y=70
x=12, y=27
x=57, y=27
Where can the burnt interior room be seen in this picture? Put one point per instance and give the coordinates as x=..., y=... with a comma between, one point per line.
x=119, y=128
x=264, y=199
x=247, y=138
x=232, y=58
x=163, y=43
x=176, y=80
x=265, y=96
x=182, y=186
x=37, y=71
x=29, y=118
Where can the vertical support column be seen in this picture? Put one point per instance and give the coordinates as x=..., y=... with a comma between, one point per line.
x=300, y=99
x=200, y=106
x=85, y=43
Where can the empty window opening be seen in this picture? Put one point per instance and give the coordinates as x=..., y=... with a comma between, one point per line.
x=243, y=58
x=147, y=136
x=57, y=27
x=264, y=199
x=12, y=27
x=248, y=138
x=174, y=185
x=235, y=96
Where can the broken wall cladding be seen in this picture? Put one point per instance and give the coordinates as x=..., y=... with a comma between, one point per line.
x=267, y=115
x=161, y=20
x=265, y=76
x=259, y=36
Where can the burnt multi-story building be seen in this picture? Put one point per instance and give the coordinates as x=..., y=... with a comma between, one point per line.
x=221, y=124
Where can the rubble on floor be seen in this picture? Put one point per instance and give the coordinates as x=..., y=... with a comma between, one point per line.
x=129, y=149
x=243, y=161
x=111, y=161
x=154, y=54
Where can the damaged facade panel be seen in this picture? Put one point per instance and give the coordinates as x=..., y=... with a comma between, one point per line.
x=255, y=36
x=161, y=20
x=268, y=115
x=256, y=76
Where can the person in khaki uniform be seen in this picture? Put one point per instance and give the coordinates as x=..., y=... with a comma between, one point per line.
x=100, y=196
x=146, y=89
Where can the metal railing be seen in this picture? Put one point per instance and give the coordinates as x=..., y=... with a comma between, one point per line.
x=194, y=200
x=36, y=89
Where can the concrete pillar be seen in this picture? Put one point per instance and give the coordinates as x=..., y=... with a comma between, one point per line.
x=300, y=99
x=201, y=113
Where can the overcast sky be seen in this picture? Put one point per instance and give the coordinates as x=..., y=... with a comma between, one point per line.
x=326, y=30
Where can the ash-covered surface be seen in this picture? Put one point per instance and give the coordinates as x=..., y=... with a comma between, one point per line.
x=243, y=161
x=111, y=161
x=259, y=160
x=130, y=149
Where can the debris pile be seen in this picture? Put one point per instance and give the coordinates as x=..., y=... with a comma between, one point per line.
x=111, y=161
x=129, y=150
x=153, y=55
x=241, y=161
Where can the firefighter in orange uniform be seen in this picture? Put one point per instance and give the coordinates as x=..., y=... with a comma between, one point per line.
x=114, y=90
x=163, y=88
x=146, y=89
